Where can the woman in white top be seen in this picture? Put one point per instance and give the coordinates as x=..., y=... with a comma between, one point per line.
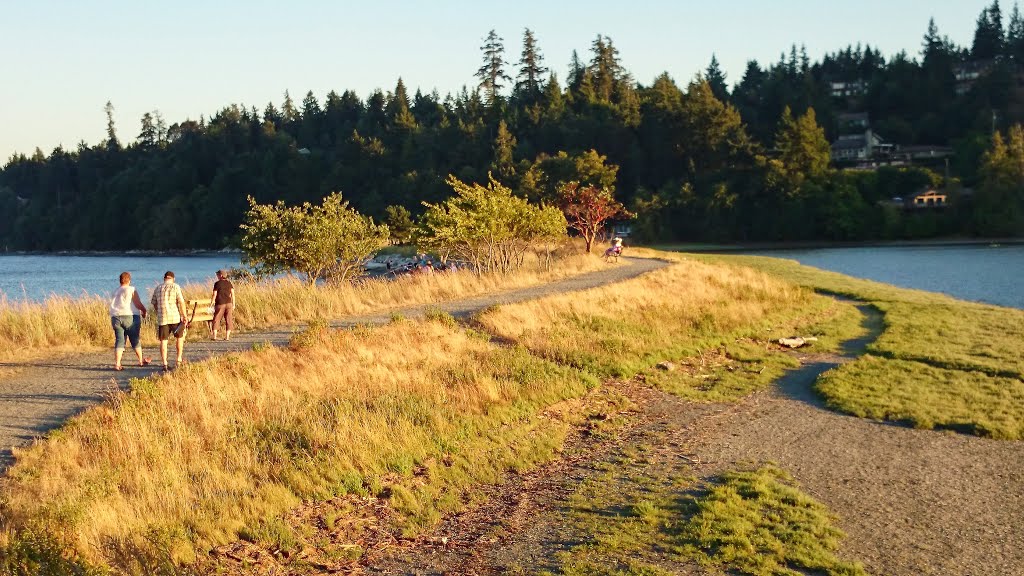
x=126, y=324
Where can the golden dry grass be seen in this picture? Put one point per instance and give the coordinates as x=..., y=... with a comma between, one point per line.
x=63, y=325
x=414, y=411
x=187, y=462
x=676, y=312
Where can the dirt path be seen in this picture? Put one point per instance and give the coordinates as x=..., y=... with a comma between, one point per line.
x=42, y=395
x=912, y=502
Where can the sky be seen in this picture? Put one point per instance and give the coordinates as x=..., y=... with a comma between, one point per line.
x=64, y=59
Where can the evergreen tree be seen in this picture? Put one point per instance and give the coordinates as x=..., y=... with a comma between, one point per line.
x=397, y=108
x=492, y=74
x=605, y=68
x=531, y=70
x=803, y=150
x=716, y=79
x=504, y=150
x=576, y=71
x=289, y=114
x=148, y=134
x=271, y=114
x=112, y=142
x=1015, y=36
x=161, y=127
x=988, y=35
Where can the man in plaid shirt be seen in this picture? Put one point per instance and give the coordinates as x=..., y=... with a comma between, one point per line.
x=169, y=306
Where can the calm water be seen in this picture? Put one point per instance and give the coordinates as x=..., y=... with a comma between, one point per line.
x=992, y=274
x=983, y=273
x=37, y=277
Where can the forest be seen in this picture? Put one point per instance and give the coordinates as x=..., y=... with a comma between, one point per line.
x=701, y=160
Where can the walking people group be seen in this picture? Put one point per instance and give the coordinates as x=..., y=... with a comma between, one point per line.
x=168, y=305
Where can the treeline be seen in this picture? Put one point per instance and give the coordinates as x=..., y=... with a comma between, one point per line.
x=695, y=162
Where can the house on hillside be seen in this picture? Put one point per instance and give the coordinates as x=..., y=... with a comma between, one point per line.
x=859, y=147
x=922, y=153
x=928, y=198
x=848, y=89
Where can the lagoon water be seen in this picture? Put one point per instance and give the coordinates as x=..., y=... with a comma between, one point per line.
x=993, y=274
x=36, y=277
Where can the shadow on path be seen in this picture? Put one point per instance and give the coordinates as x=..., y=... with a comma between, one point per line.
x=799, y=384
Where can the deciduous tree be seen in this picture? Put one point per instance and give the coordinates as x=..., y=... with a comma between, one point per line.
x=487, y=226
x=327, y=241
x=588, y=208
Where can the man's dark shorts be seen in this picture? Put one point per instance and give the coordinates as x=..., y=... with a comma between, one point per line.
x=166, y=332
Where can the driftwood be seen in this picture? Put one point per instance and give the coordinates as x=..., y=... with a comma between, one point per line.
x=797, y=341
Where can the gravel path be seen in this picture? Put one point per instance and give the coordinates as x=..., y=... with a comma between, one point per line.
x=912, y=502
x=42, y=395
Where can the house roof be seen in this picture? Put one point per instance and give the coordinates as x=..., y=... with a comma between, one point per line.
x=927, y=192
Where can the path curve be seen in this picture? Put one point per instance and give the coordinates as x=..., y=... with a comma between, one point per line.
x=44, y=394
x=912, y=502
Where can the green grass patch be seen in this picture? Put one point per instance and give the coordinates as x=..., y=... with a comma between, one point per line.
x=725, y=374
x=755, y=522
x=926, y=396
x=938, y=363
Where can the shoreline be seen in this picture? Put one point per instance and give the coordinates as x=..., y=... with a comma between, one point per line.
x=123, y=253
x=821, y=245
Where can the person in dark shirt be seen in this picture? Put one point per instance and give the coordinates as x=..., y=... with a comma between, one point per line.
x=224, y=304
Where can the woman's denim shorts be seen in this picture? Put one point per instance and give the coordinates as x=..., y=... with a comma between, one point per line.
x=126, y=326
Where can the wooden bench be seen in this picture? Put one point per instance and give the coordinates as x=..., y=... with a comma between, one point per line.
x=199, y=310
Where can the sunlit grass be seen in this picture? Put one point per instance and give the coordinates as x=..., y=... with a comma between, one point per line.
x=415, y=413
x=683, y=314
x=755, y=522
x=185, y=463
x=29, y=331
x=939, y=362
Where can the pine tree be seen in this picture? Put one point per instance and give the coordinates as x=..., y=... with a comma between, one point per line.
x=397, y=108
x=271, y=114
x=161, y=127
x=716, y=78
x=289, y=113
x=605, y=68
x=492, y=73
x=531, y=70
x=803, y=150
x=112, y=142
x=1015, y=36
x=504, y=153
x=576, y=71
x=148, y=134
x=988, y=35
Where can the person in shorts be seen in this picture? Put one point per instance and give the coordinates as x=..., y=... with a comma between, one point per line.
x=127, y=324
x=169, y=306
x=224, y=304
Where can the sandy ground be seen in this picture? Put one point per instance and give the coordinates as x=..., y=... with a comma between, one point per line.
x=40, y=396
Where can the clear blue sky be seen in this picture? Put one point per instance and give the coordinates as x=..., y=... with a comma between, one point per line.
x=64, y=59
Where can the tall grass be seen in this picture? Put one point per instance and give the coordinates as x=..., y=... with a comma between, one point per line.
x=61, y=324
x=675, y=313
x=187, y=462
x=413, y=411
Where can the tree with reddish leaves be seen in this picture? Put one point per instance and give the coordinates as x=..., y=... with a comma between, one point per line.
x=588, y=208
